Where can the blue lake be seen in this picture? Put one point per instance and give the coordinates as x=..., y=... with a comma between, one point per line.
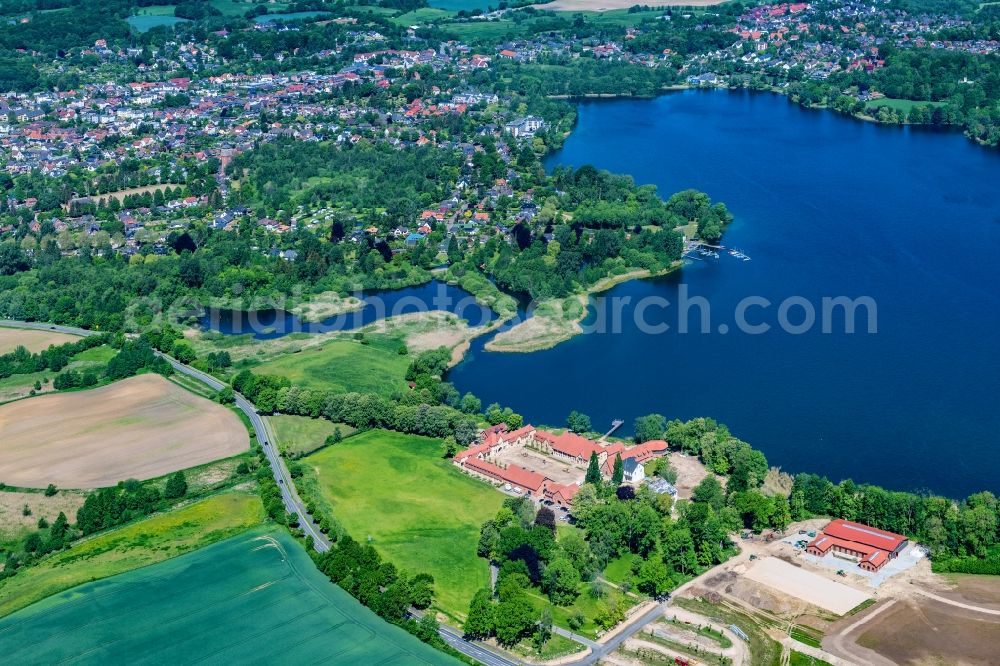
x=268, y=324
x=825, y=206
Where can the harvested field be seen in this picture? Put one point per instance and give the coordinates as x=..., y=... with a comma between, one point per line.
x=32, y=340
x=813, y=588
x=608, y=5
x=140, y=428
x=924, y=631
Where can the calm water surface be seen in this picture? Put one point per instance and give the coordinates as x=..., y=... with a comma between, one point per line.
x=825, y=206
x=273, y=323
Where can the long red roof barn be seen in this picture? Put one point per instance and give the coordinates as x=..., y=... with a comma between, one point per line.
x=871, y=546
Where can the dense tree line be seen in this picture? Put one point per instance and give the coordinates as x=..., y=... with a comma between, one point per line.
x=414, y=412
x=379, y=585
x=55, y=358
x=127, y=501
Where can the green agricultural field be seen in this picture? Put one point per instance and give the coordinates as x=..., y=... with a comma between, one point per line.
x=236, y=8
x=800, y=659
x=255, y=598
x=343, y=366
x=467, y=5
x=422, y=15
x=301, y=435
x=419, y=511
x=470, y=30
x=142, y=543
x=156, y=10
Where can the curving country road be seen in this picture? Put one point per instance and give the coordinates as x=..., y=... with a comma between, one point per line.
x=293, y=504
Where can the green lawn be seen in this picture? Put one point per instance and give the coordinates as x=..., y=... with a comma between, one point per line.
x=137, y=545
x=301, y=435
x=584, y=603
x=899, y=104
x=620, y=568
x=343, y=366
x=253, y=598
x=417, y=509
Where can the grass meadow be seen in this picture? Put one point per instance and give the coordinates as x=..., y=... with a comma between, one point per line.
x=418, y=510
x=302, y=435
x=342, y=366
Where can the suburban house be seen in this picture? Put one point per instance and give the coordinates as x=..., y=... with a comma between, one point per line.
x=870, y=547
x=635, y=473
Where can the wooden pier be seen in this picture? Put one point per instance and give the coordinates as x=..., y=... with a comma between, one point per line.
x=617, y=423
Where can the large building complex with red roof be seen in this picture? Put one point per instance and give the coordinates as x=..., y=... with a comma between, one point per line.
x=481, y=459
x=869, y=546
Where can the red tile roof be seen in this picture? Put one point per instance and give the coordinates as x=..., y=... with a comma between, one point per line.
x=858, y=533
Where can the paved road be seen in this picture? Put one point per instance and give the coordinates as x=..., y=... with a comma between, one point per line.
x=293, y=504
x=606, y=648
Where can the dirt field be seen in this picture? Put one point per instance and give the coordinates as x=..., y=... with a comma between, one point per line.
x=142, y=427
x=797, y=582
x=558, y=471
x=928, y=632
x=33, y=341
x=607, y=5
x=976, y=590
x=690, y=472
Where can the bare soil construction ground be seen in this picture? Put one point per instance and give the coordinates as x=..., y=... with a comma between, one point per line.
x=924, y=631
x=813, y=588
x=142, y=427
x=607, y=5
x=32, y=340
x=981, y=591
x=690, y=472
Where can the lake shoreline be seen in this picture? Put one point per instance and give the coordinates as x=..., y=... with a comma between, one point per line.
x=568, y=329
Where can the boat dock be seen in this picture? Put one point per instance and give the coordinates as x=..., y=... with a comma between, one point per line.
x=617, y=423
x=710, y=251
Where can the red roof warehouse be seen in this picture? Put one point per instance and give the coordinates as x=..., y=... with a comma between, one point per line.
x=871, y=546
